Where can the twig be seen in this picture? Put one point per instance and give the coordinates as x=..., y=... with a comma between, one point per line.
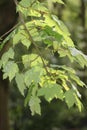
x=9, y=31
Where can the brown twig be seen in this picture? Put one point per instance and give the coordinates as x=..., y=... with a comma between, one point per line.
x=9, y=31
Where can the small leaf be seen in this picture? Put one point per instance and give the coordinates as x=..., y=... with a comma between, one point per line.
x=79, y=57
x=70, y=98
x=26, y=61
x=20, y=82
x=56, y=45
x=10, y=70
x=16, y=39
x=7, y=55
x=26, y=3
x=34, y=104
x=26, y=42
x=39, y=7
x=78, y=103
x=35, y=35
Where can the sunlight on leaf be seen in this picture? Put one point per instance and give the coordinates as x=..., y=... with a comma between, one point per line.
x=10, y=70
x=51, y=91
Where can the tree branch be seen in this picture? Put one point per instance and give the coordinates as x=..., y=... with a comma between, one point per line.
x=30, y=38
x=1, y=37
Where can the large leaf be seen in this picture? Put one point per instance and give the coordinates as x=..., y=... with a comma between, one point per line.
x=70, y=98
x=51, y=91
x=33, y=76
x=34, y=104
x=77, y=80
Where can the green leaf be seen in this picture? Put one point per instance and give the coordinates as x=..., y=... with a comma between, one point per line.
x=38, y=6
x=17, y=37
x=33, y=13
x=31, y=60
x=56, y=45
x=26, y=42
x=49, y=35
x=10, y=70
x=50, y=31
x=26, y=3
x=34, y=104
x=78, y=103
x=6, y=56
x=21, y=36
x=79, y=57
x=33, y=76
x=35, y=35
x=34, y=89
x=70, y=98
x=28, y=96
x=63, y=52
x=50, y=91
x=31, y=92
x=20, y=82
x=76, y=79
x=26, y=61
x=61, y=25
x=5, y=41
x=58, y=1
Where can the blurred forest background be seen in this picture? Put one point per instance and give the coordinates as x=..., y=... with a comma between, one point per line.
x=56, y=116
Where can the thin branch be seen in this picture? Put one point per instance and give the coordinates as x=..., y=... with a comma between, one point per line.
x=30, y=37
x=18, y=62
x=9, y=31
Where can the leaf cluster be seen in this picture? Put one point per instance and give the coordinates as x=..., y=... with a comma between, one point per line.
x=38, y=32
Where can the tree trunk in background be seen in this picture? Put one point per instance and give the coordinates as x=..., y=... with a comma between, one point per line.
x=4, y=120
x=7, y=20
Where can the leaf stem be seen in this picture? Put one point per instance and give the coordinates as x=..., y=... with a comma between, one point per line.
x=1, y=37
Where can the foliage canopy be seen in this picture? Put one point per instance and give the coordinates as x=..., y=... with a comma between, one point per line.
x=38, y=37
